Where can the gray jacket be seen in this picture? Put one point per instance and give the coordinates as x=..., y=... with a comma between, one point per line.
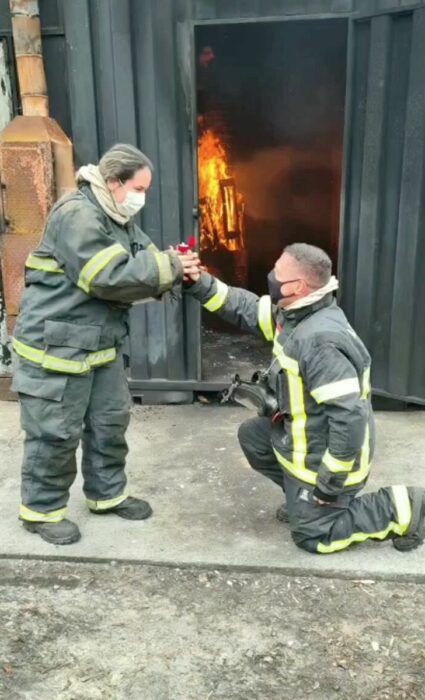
x=80, y=283
x=320, y=373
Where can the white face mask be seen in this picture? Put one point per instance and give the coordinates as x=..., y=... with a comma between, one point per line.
x=133, y=202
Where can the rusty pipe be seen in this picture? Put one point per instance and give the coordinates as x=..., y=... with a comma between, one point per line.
x=29, y=59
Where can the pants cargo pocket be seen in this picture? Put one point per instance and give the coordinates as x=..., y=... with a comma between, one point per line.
x=41, y=400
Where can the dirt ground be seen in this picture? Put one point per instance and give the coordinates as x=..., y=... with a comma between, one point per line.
x=73, y=631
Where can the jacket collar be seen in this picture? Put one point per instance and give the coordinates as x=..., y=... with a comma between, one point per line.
x=294, y=317
x=85, y=188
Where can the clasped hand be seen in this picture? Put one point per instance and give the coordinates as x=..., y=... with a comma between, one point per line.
x=191, y=264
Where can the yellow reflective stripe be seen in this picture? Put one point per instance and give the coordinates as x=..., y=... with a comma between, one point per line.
x=403, y=507
x=335, y=390
x=152, y=248
x=101, y=357
x=404, y=516
x=366, y=383
x=219, y=298
x=337, y=465
x=285, y=362
x=297, y=467
x=97, y=263
x=93, y=359
x=360, y=475
x=108, y=503
x=55, y=516
x=265, y=320
x=27, y=352
x=301, y=473
x=299, y=419
x=35, y=262
x=310, y=477
x=57, y=364
x=164, y=266
x=359, y=537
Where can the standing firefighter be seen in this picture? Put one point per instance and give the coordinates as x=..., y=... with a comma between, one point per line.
x=91, y=264
x=319, y=443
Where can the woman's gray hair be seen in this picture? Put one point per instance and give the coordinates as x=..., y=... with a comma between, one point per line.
x=122, y=161
x=316, y=264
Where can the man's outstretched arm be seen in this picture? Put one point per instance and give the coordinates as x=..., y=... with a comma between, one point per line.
x=238, y=306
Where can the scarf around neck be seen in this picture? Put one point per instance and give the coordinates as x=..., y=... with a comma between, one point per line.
x=90, y=173
x=315, y=296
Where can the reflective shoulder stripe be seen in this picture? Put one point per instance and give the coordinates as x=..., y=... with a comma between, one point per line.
x=337, y=465
x=152, y=248
x=336, y=390
x=36, y=262
x=107, y=503
x=265, y=320
x=285, y=362
x=33, y=516
x=219, y=298
x=366, y=383
x=164, y=267
x=57, y=364
x=97, y=263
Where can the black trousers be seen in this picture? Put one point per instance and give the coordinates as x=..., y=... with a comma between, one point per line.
x=326, y=528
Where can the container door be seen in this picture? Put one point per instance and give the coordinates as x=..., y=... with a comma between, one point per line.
x=187, y=113
x=382, y=260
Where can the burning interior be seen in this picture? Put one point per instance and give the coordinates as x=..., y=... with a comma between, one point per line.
x=270, y=114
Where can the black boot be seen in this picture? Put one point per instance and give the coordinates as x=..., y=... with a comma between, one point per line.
x=130, y=509
x=63, y=532
x=282, y=513
x=416, y=533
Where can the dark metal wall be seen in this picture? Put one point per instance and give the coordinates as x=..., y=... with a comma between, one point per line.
x=121, y=70
x=383, y=244
x=112, y=76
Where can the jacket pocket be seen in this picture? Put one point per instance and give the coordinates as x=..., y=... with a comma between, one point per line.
x=282, y=393
x=69, y=347
x=72, y=335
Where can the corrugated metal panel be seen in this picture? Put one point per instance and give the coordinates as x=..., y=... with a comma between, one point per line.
x=121, y=70
x=158, y=340
x=382, y=249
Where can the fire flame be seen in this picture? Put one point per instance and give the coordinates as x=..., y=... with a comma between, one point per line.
x=221, y=205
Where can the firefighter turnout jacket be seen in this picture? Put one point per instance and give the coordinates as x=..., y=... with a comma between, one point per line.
x=80, y=284
x=320, y=373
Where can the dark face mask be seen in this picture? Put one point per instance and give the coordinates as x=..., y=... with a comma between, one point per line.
x=275, y=286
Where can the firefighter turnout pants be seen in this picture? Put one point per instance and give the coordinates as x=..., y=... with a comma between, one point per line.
x=326, y=528
x=57, y=412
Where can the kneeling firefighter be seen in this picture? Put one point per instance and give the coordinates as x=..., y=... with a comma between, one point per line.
x=315, y=435
x=93, y=262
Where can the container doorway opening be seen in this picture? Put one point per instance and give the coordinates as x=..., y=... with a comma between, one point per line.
x=270, y=117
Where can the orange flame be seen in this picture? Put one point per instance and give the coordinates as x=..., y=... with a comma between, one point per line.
x=221, y=205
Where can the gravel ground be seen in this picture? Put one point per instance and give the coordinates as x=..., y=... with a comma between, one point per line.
x=72, y=631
